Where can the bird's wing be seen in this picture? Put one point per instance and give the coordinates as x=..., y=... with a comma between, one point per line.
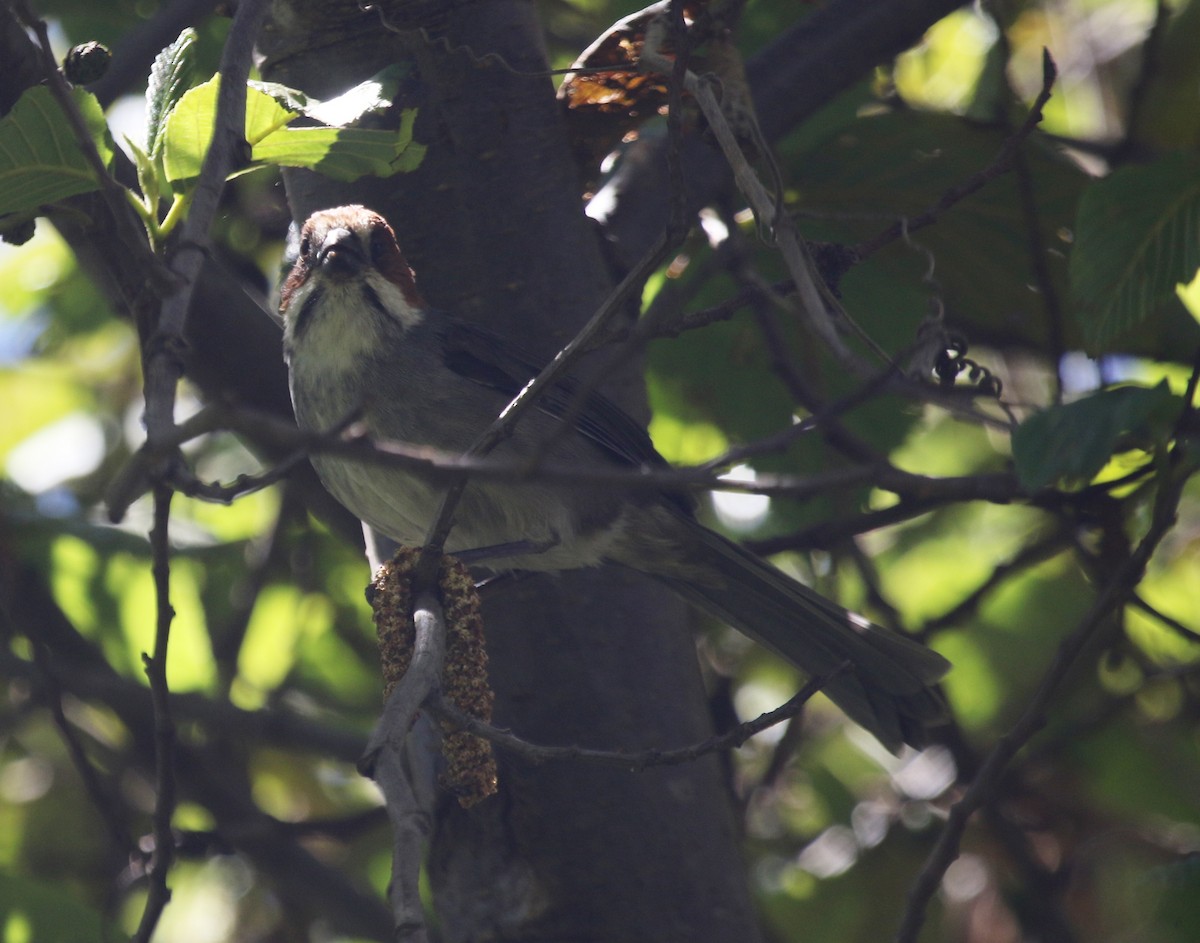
x=483, y=357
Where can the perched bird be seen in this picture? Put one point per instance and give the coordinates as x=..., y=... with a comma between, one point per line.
x=358, y=336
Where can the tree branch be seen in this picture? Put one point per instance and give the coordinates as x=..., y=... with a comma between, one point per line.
x=164, y=727
x=409, y=803
x=637, y=761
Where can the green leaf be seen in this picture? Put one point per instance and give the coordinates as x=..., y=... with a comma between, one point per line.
x=190, y=126
x=168, y=80
x=342, y=153
x=1075, y=441
x=40, y=160
x=1137, y=236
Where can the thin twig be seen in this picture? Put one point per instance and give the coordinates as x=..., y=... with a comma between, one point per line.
x=998, y=167
x=635, y=760
x=832, y=533
x=1169, y=621
x=815, y=299
x=1038, y=252
x=1189, y=398
x=437, y=464
x=159, y=894
x=185, y=482
x=1038, y=255
x=163, y=369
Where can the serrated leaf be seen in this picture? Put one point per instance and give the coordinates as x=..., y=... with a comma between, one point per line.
x=1074, y=441
x=1137, y=236
x=168, y=80
x=40, y=160
x=342, y=153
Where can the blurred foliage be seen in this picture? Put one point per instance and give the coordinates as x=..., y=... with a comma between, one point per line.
x=1098, y=825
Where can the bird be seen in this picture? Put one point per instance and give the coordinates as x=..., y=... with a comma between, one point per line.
x=359, y=339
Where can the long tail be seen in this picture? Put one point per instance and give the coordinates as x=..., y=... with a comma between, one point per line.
x=889, y=688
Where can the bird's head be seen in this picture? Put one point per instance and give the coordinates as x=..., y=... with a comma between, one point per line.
x=349, y=268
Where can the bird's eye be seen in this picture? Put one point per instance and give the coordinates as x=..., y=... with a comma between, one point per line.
x=380, y=241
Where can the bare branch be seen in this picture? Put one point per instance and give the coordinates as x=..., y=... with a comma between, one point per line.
x=635, y=761
x=436, y=463
x=164, y=727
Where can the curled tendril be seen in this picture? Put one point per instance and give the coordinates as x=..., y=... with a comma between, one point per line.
x=952, y=362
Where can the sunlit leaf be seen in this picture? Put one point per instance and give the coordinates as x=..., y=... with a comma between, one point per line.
x=40, y=160
x=343, y=153
x=189, y=127
x=1137, y=236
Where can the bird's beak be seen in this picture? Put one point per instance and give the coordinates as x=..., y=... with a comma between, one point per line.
x=341, y=252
